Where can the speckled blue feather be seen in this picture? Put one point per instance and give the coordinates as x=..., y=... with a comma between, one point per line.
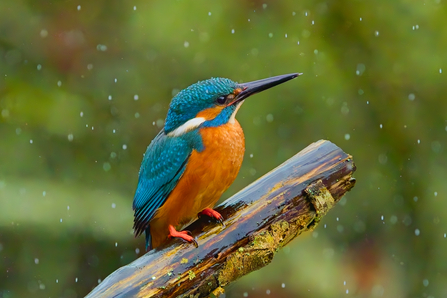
x=198, y=97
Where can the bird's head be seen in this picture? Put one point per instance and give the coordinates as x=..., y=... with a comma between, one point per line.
x=213, y=102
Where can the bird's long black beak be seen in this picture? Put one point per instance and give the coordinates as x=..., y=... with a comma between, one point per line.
x=254, y=87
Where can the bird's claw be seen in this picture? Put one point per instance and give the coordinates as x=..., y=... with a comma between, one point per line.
x=214, y=214
x=184, y=235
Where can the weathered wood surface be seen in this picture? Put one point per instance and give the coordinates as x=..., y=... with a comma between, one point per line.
x=259, y=220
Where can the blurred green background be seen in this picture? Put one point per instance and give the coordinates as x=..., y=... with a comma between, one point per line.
x=85, y=86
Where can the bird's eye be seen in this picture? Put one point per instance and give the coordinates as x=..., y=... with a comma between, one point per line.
x=221, y=100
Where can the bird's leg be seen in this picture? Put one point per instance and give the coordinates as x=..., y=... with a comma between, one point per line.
x=212, y=213
x=185, y=235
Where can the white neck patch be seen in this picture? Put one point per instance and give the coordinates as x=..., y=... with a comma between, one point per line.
x=187, y=126
x=233, y=116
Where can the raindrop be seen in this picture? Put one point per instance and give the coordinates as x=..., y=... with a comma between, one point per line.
x=70, y=137
x=68, y=207
x=360, y=69
x=436, y=193
x=270, y=35
x=393, y=219
x=101, y=47
x=285, y=35
x=30, y=141
x=425, y=282
x=81, y=114
x=106, y=166
x=76, y=279
x=110, y=97
x=283, y=285
x=361, y=92
x=347, y=136
x=251, y=155
x=361, y=19
x=419, y=141
x=124, y=146
x=411, y=96
x=59, y=83
x=186, y=44
x=137, y=115
x=232, y=31
x=57, y=281
x=264, y=5
x=245, y=294
x=116, y=244
x=44, y=193
x=415, y=199
x=209, y=13
x=39, y=67
x=36, y=261
x=381, y=217
x=417, y=232
x=61, y=220
x=135, y=97
x=90, y=66
x=134, y=8
x=79, y=7
x=43, y=33
x=116, y=80
x=113, y=205
x=380, y=126
x=269, y=118
x=440, y=70
x=137, y=250
x=376, y=33
x=267, y=292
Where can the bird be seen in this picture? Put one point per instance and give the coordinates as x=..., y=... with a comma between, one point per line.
x=194, y=158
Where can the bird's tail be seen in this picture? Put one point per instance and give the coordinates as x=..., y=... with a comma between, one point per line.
x=148, y=238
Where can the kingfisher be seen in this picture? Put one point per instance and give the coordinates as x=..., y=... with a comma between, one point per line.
x=194, y=158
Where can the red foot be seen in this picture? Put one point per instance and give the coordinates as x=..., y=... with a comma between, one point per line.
x=185, y=235
x=212, y=213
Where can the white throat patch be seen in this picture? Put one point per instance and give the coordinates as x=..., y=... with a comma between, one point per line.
x=233, y=116
x=187, y=126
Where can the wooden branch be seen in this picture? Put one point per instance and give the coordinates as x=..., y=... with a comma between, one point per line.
x=259, y=220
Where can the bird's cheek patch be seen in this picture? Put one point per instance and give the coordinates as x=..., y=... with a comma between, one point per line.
x=210, y=113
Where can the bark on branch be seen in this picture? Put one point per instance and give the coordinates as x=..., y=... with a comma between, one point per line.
x=259, y=220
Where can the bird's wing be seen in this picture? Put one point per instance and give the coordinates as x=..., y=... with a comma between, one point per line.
x=163, y=164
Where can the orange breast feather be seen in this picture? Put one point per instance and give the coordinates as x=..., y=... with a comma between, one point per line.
x=207, y=175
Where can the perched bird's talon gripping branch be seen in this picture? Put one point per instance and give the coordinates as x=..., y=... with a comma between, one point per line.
x=194, y=158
